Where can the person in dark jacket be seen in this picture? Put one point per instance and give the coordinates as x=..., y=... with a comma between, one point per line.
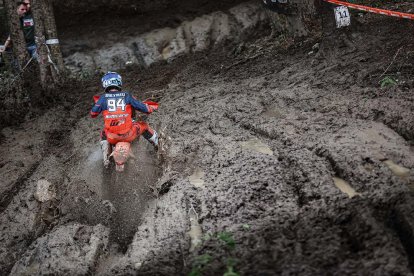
x=28, y=28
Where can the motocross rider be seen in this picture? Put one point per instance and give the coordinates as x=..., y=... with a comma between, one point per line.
x=117, y=107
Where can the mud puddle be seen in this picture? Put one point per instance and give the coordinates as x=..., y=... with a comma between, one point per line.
x=345, y=187
x=195, y=232
x=197, y=178
x=257, y=146
x=397, y=169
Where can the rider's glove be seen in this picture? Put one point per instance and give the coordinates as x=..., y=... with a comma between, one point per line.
x=151, y=108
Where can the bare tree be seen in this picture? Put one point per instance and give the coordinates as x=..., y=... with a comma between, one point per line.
x=290, y=16
x=40, y=42
x=51, y=64
x=51, y=35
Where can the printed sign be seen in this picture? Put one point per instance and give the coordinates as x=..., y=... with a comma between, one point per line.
x=52, y=41
x=342, y=17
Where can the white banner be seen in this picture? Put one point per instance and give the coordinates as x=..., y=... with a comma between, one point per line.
x=52, y=41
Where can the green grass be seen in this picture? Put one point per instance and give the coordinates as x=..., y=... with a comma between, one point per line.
x=227, y=238
x=387, y=81
x=199, y=264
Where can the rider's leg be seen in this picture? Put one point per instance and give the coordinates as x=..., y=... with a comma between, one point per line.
x=149, y=134
x=106, y=149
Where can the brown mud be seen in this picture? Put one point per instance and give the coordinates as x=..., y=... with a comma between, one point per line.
x=278, y=157
x=106, y=23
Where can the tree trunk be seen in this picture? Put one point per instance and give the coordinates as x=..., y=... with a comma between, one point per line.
x=291, y=17
x=16, y=34
x=51, y=64
x=51, y=34
x=37, y=11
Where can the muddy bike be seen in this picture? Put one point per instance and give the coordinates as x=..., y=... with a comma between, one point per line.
x=121, y=151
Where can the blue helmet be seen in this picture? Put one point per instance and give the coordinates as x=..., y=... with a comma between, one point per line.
x=111, y=79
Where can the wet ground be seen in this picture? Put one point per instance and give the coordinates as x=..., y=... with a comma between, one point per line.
x=277, y=157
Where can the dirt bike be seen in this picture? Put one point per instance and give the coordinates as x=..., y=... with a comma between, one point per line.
x=121, y=151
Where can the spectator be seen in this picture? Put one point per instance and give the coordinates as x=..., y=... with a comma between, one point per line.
x=27, y=25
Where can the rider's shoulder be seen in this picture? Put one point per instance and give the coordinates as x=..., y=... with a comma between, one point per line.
x=128, y=94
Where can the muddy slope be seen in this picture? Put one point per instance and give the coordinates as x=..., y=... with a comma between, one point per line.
x=282, y=152
x=84, y=26
x=278, y=157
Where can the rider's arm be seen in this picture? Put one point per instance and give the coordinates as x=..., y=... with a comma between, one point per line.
x=97, y=108
x=138, y=105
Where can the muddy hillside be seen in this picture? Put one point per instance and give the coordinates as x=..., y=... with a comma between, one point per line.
x=280, y=153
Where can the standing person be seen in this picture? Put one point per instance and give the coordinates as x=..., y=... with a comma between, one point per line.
x=117, y=107
x=28, y=27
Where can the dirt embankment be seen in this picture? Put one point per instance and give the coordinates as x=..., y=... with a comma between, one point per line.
x=278, y=157
x=85, y=26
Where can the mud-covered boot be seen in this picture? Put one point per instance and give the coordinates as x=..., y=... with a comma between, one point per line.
x=106, y=151
x=154, y=140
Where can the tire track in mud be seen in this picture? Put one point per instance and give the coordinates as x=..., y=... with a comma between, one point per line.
x=44, y=146
x=392, y=108
x=300, y=223
x=403, y=228
x=17, y=186
x=394, y=225
x=130, y=192
x=53, y=140
x=310, y=221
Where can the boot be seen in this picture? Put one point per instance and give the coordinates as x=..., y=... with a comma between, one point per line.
x=154, y=140
x=106, y=151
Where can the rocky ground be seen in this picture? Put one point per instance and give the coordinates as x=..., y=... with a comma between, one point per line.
x=279, y=156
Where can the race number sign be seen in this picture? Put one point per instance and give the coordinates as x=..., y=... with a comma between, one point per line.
x=342, y=17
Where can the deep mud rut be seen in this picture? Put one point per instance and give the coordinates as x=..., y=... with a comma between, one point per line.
x=277, y=158
x=128, y=194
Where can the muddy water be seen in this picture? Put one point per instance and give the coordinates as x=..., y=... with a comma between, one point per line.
x=257, y=146
x=130, y=192
x=197, y=178
x=397, y=169
x=345, y=187
x=195, y=232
